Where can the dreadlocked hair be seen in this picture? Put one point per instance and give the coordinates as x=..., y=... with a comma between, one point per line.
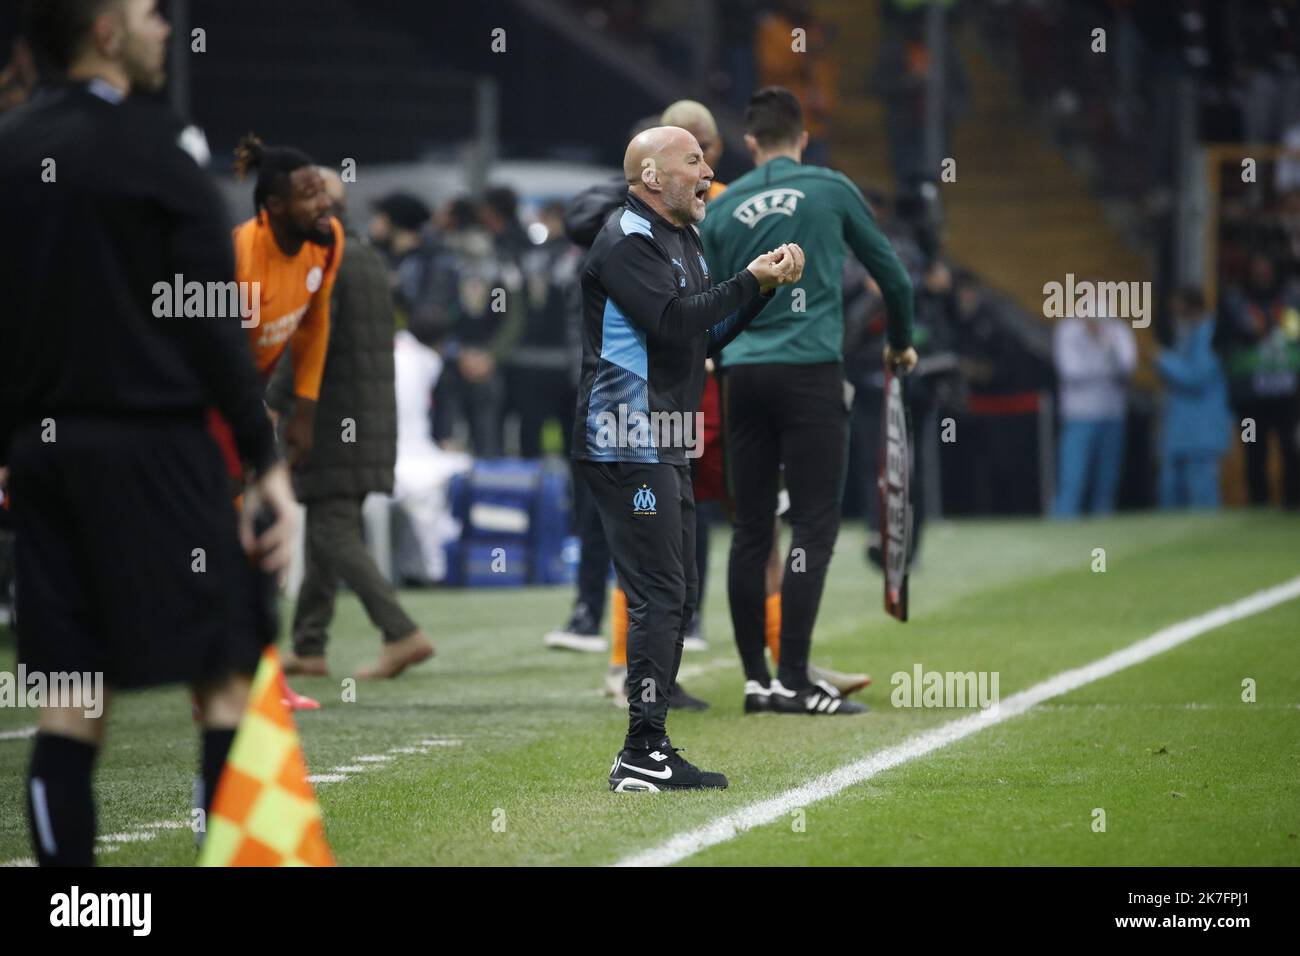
x=274, y=165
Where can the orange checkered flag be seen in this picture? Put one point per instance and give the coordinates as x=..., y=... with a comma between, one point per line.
x=265, y=811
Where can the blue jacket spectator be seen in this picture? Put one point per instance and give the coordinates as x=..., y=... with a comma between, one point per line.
x=1196, y=420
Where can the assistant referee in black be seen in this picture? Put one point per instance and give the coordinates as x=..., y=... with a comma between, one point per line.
x=128, y=549
x=651, y=314
x=785, y=405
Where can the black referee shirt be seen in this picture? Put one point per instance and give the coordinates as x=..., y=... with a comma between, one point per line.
x=99, y=202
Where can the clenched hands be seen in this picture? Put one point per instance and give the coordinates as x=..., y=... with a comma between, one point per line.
x=782, y=266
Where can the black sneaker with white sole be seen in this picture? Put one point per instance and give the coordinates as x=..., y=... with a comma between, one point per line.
x=758, y=699
x=819, y=698
x=662, y=768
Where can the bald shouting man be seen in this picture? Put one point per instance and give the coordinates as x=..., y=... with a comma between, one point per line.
x=651, y=314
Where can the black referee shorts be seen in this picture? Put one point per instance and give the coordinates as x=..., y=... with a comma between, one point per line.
x=127, y=554
x=648, y=512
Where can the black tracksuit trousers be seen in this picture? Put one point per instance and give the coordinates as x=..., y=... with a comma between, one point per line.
x=792, y=416
x=648, y=512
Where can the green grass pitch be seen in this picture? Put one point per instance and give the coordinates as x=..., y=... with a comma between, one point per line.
x=496, y=753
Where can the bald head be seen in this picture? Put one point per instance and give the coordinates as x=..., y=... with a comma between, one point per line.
x=689, y=115
x=666, y=169
x=695, y=118
x=650, y=149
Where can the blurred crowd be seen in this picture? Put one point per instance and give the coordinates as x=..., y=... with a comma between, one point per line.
x=1257, y=336
x=1227, y=375
x=726, y=49
x=490, y=286
x=498, y=299
x=497, y=302
x=1240, y=63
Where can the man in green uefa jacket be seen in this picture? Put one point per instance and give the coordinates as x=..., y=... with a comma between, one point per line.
x=785, y=409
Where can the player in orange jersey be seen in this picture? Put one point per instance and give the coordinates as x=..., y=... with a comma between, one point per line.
x=287, y=257
x=291, y=248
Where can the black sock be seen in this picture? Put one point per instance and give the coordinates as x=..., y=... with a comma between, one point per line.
x=60, y=804
x=800, y=596
x=747, y=595
x=216, y=747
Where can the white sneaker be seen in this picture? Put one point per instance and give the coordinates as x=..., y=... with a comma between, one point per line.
x=573, y=641
x=819, y=698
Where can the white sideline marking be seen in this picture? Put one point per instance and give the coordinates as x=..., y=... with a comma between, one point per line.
x=367, y=762
x=757, y=814
x=326, y=777
x=112, y=842
x=21, y=733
